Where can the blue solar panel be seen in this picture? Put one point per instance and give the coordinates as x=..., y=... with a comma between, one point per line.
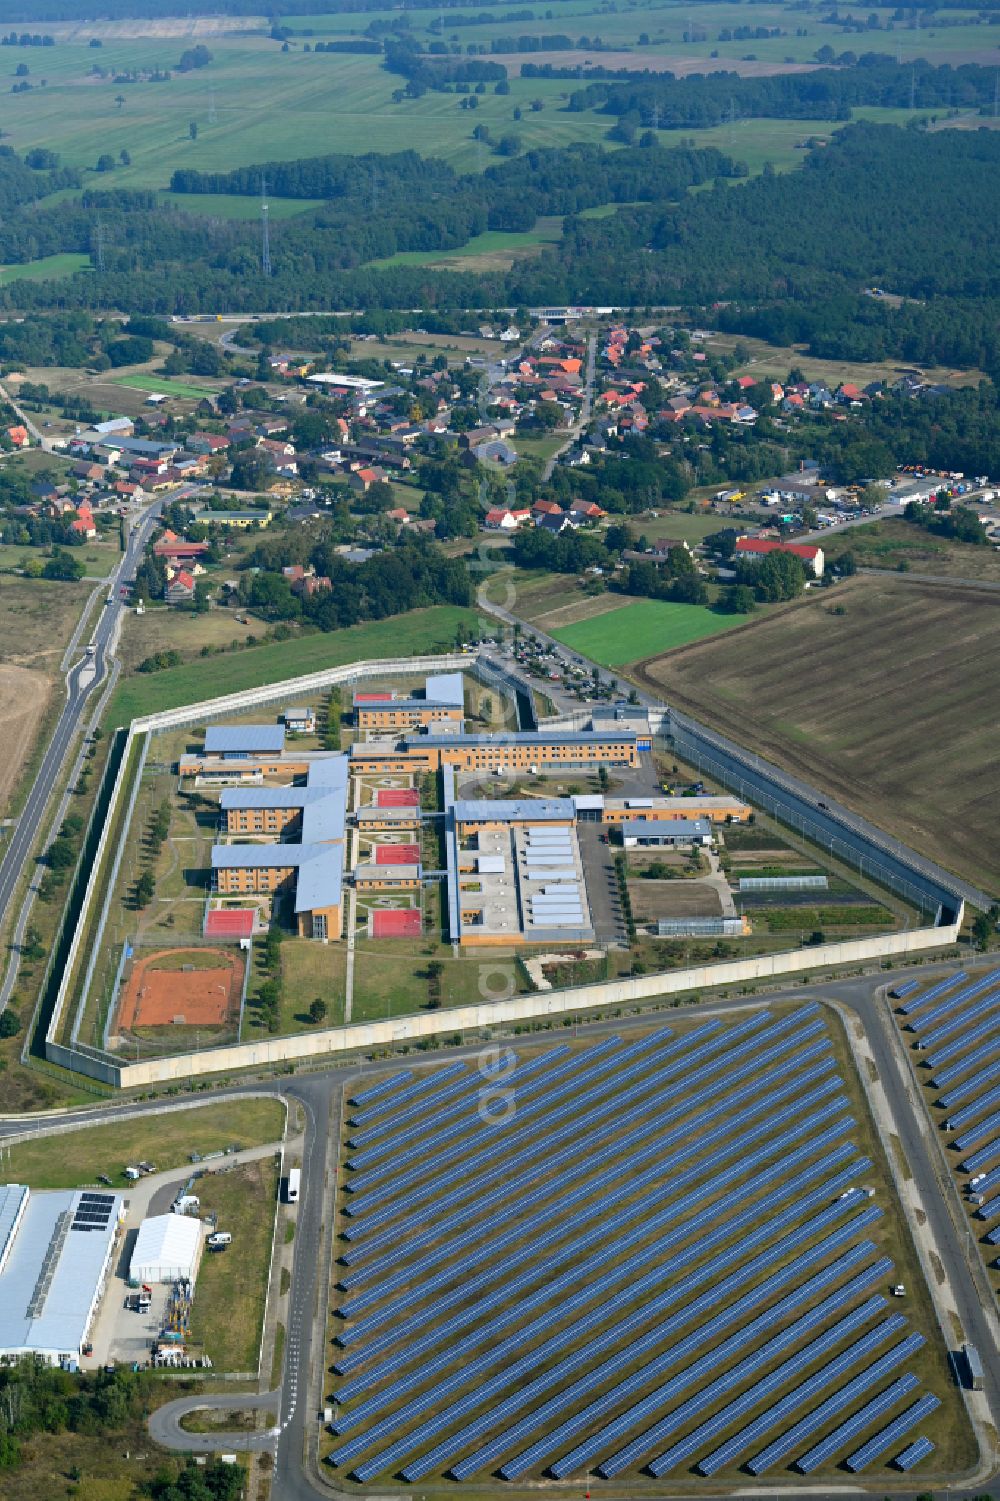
x=907, y=988
x=855, y=1388
x=825, y=1376
x=654, y=1401
x=486, y=1189
x=416, y=1440
x=635, y=1355
x=594, y=1235
x=969, y=1112
x=965, y=1065
x=611, y=1180
x=422, y=1086
x=627, y=1063
x=967, y=993
x=636, y=1265
x=394, y=1081
x=987, y=1183
x=980, y=1159
x=983, y=1007
x=968, y=1090
x=466, y=1097
x=934, y=992
x=990, y=1211
x=977, y=1132
x=856, y=1424
x=913, y=1454
x=985, y=1030
x=389, y=1313
x=877, y=1446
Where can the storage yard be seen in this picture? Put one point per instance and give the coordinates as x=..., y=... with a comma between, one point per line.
x=952, y=1029
x=702, y=1284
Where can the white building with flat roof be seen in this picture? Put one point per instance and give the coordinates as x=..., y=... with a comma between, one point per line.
x=55, y=1254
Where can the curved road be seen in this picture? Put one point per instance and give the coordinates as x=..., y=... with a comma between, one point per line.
x=297, y=1401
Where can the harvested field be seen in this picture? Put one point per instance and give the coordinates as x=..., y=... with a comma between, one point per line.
x=585, y=608
x=890, y=706
x=189, y=987
x=23, y=697
x=652, y=62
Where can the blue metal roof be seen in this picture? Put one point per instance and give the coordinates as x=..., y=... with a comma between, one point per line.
x=526, y=737
x=243, y=739
x=513, y=810
x=667, y=828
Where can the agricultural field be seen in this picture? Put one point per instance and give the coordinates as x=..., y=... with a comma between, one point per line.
x=882, y=692
x=495, y=250
x=48, y=268
x=950, y=1032
x=428, y=630
x=641, y=629
x=345, y=99
x=673, y=1292
x=896, y=544
x=167, y=1140
x=37, y=619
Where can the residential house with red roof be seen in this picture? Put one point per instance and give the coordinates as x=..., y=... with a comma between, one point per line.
x=753, y=549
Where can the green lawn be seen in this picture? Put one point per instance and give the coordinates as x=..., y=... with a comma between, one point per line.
x=78, y=1157
x=420, y=631
x=643, y=629
x=165, y=384
x=47, y=269
x=494, y=242
x=232, y=1284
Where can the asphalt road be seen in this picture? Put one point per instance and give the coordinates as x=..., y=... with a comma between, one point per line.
x=81, y=681
x=297, y=1401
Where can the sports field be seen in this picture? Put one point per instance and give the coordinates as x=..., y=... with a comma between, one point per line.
x=671, y=1290
x=648, y=627
x=165, y=384
x=183, y=987
x=889, y=705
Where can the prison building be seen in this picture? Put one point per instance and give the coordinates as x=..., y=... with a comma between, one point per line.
x=665, y=833
x=387, y=820
x=312, y=872
x=372, y=877
x=237, y=742
x=300, y=720
x=474, y=816
x=654, y=809
x=315, y=813
x=443, y=700
x=525, y=751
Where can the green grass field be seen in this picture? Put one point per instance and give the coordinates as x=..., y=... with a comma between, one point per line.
x=235, y=206
x=639, y=630
x=77, y=1157
x=49, y=268
x=164, y=384
x=495, y=243
x=232, y=1286
x=429, y=630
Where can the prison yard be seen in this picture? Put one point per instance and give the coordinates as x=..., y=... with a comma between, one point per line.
x=951, y=1031
x=665, y=1258
x=281, y=871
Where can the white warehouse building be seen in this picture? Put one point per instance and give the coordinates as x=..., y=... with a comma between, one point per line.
x=167, y=1249
x=55, y=1253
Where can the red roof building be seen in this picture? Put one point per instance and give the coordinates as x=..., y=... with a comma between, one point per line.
x=754, y=548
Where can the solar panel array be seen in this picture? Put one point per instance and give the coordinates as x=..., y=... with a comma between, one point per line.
x=658, y=1256
x=913, y=1454
x=93, y=1211
x=957, y=1027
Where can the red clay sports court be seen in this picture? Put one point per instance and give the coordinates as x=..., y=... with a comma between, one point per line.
x=395, y=922
x=397, y=797
x=397, y=854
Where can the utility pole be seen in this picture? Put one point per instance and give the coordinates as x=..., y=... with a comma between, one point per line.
x=99, y=244
x=212, y=117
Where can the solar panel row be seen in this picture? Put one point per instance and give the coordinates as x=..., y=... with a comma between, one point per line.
x=574, y=1249
x=842, y=1435
x=985, y=1029
x=931, y=995
x=964, y=1065
x=635, y=1059
x=977, y=1132
x=967, y=993
x=610, y=1180
x=983, y=1007
x=422, y=1087
x=812, y=1318
x=877, y=1446
x=609, y=1250
x=383, y=1087
x=824, y=1377
x=783, y=1446
x=633, y=1354
x=913, y=1454
x=981, y=1158
x=968, y=1089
